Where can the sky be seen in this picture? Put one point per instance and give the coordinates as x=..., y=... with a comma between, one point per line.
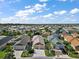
x=39, y=11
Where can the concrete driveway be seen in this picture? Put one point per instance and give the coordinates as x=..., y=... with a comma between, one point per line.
x=18, y=54
x=39, y=53
x=63, y=57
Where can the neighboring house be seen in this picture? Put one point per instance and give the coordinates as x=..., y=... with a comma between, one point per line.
x=38, y=42
x=68, y=38
x=4, y=41
x=54, y=38
x=75, y=34
x=73, y=41
x=22, y=43
x=60, y=46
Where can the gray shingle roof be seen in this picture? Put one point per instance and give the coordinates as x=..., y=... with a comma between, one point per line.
x=5, y=40
x=24, y=40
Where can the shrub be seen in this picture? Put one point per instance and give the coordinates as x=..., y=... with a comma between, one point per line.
x=49, y=53
x=31, y=51
x=26, y=54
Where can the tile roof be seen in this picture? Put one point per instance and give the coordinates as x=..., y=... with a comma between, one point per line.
x=75, y=42
x=68, y=38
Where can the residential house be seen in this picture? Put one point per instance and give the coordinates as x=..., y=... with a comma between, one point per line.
x=74, y=41
x=38, y=42
x=60, y=46
x=75, y=34
x=22, y=43
x=54, y=38
x=4, y=41
x=68, y=38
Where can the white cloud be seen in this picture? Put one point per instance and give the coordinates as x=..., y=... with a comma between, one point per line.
x=69, y=20
x=34, y=9
x=25, y=14
x=48, y=15
x=74, y=11
x=14, y=19
x=28, y=6
x=6, y=20
x=48, y=18
x=43, y=0
x=60, y=12
x=39, y=7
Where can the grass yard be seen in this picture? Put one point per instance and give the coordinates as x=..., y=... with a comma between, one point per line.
x=2, y=54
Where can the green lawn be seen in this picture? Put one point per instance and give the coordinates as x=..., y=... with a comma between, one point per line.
x=2, y=54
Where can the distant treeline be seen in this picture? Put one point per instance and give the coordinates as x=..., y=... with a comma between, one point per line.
x=38, y=24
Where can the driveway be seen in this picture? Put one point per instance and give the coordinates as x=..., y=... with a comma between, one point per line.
x=18, y=54
x=38, y=53
x=63, y=57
